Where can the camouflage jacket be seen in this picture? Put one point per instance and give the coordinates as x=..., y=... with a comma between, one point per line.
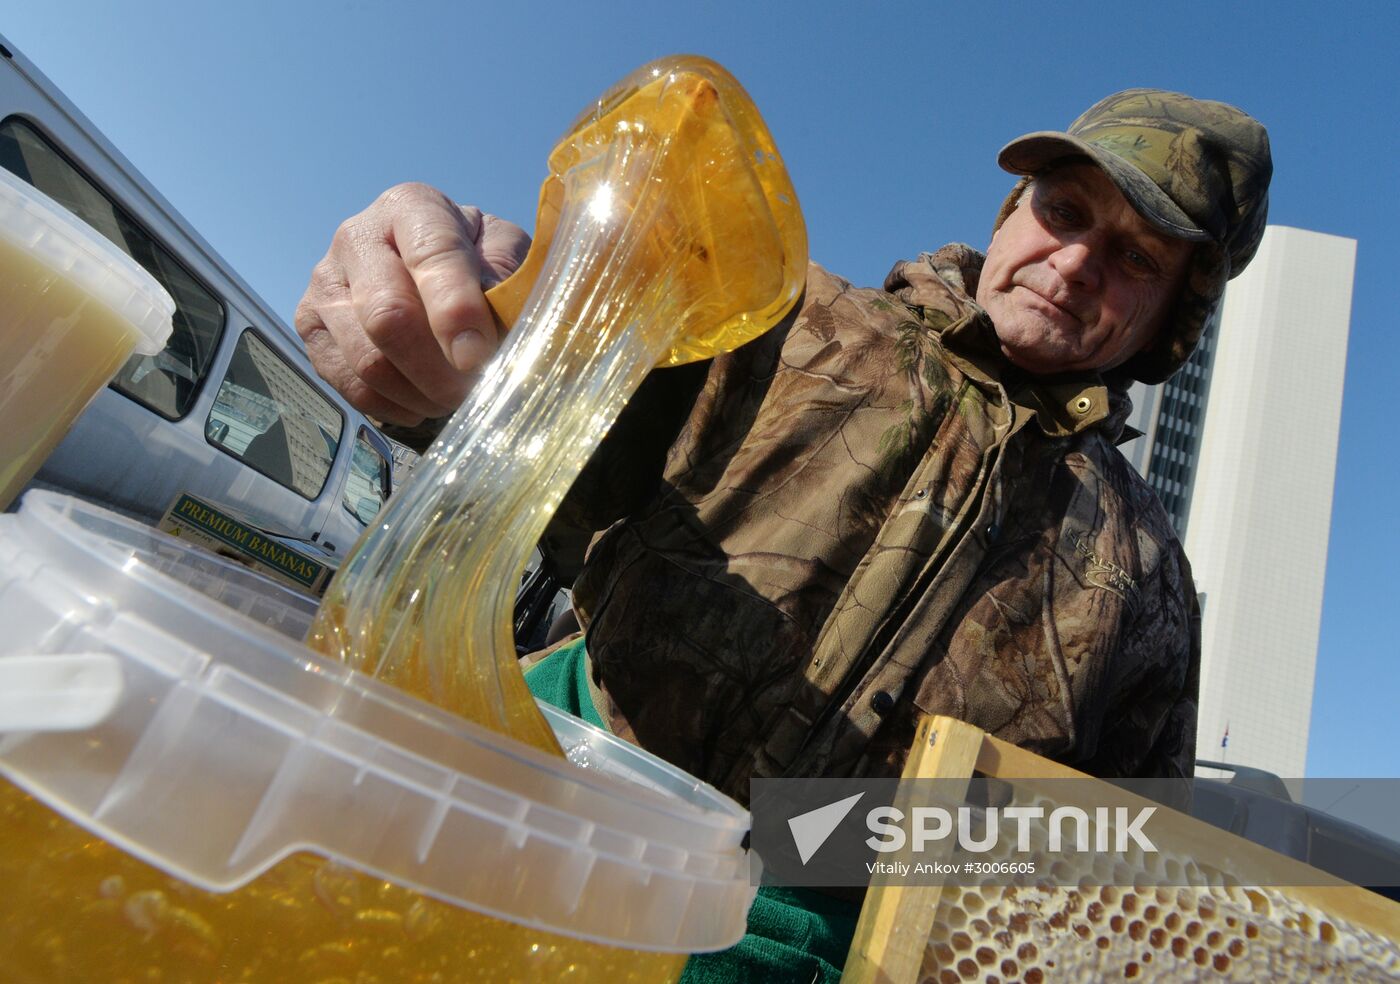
x=866, y=514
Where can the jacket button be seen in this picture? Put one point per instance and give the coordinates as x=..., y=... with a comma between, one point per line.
x=881, y=703
x=992, y=531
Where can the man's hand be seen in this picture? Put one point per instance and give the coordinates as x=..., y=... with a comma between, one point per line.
x=395, y=317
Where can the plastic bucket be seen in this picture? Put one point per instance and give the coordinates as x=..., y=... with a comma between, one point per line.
x=73, y=308
x=194, y=791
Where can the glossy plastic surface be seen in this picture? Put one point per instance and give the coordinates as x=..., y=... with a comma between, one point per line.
x=233, y=751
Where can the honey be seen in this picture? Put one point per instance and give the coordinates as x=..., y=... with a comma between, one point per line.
x=80, y=910
x=1259, y=934
x=1165, y=915
x=668, y=231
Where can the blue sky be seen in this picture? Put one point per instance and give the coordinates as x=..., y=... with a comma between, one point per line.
x=266, y=124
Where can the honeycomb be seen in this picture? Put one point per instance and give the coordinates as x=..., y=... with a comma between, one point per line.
x=1169, y=900
x=1118, y=921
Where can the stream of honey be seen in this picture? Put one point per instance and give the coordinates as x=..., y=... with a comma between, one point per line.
x=668, y=232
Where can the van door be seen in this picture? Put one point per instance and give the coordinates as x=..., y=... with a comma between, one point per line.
x=367, y=485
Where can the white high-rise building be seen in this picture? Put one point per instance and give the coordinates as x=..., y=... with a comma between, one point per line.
x=1242, y=447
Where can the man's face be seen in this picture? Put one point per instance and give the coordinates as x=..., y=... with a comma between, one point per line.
x=1075, y=279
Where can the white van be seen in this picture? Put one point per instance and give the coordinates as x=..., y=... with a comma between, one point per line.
x=231, y=411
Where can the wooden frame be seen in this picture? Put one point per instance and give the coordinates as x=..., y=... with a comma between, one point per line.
x=896, y=919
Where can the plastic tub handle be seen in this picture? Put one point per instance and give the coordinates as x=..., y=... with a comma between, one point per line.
x=58, y=691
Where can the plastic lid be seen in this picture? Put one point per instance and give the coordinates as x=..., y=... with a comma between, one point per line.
x=231, y=746
x=32, y=221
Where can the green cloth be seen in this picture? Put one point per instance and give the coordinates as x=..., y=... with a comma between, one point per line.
x=795, y=934
x=561, y=679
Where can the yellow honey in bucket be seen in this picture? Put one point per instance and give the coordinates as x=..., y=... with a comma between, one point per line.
x=79, y=909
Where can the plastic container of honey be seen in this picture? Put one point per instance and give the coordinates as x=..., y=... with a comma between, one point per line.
x=193, y=794
x=73, y=308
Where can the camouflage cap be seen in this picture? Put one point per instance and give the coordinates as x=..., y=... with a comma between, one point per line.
x=1195, y=169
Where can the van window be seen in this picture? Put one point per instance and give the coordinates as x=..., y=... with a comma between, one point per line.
x=368, y=484
x=268, y=416
x=169, y=381
x=1359, y=856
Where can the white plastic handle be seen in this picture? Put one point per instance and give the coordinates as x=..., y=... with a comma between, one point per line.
x=58, y=691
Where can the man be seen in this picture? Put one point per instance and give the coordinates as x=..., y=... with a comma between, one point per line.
x=897, y=501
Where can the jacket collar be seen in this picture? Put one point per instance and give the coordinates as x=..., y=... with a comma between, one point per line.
x=940, y=286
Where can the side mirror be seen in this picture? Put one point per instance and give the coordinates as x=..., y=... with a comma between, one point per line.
x=216, y=430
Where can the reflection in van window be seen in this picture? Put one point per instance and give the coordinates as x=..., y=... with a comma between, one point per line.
x=268, y=416
x=368, y=484
x=169, y=381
